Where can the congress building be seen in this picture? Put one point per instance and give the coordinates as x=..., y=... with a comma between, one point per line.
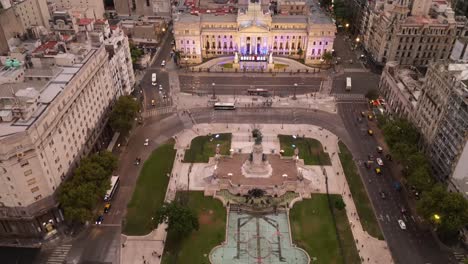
x=254, y=32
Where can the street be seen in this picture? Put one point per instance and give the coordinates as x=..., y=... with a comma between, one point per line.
x=238, y=85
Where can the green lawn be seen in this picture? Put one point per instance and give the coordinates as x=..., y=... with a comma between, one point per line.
x=204, y=147
x=150, y=190
x=197, y=247
x=312, y=229
x=361, y=200
x=310, y=149
x=227, y=65
x=280, y=66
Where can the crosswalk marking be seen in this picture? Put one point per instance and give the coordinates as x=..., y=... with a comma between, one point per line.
x=59, y=254
x=349, y=97
x=158, y=111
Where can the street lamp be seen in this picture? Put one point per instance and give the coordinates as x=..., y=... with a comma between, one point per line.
x=295, y=88
x=347, y=25
x=213, y=87
x=358, y=39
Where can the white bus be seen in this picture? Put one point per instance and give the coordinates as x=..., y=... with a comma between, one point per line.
x=348, y=83
x=224, y=106
x=153, y=79
x=115, y=181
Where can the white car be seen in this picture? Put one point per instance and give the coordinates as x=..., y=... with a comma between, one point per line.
x=402, y=224
x=146, y=142
x=163, y=63
x=153, y=79
x=160, y=87
x=379, y=161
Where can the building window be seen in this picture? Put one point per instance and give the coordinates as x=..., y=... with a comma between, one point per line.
x=28, y=172
x=35, y=189
x=24, y=163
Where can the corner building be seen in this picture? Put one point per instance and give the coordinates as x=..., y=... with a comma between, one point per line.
x=254, y=31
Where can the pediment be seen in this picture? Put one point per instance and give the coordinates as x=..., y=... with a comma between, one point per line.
x=253, y=29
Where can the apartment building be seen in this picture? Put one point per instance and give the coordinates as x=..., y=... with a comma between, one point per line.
x=32, y=13
x=412, y=34
x=53, y=112
x=450, y=137
x=143, y=7
x=87, y=8
x=292, y=7
x=401, y=87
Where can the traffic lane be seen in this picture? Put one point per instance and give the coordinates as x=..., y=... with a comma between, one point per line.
x=361, y=82
x=416, y=240
x=227, y=89
x=152, y=92
x=189, y=80
x=386, y=212
x=164, y=52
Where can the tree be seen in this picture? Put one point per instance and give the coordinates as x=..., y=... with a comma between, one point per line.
x=106, y=160
x=327, y=57
x=342, y=13
x=447, y=211
x=402, y=150
x=416, y=160
x=123, y=114
x=421, y=179
x=135, y=53
x=300, y=51
x=372, y=94
x=78, y=200
x=180, y=219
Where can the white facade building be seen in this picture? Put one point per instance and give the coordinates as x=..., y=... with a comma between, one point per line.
x=254, y=32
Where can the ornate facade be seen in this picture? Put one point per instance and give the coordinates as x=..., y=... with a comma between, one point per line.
x=253, y=31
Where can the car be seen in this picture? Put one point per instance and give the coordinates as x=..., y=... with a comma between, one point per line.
x=99, y=220
x=153, y=103
x=363, y=114
x=160, y=87
x=382, y=195
x=402, y=224
x=378, y=170
x=370, y=132
x=146, y=142
x=107, y=208
x=370, y=156
x=370, y=117
x=379, y=149
x=368, y=163
x=163, y=63
x=164, y=96
x=379, y=161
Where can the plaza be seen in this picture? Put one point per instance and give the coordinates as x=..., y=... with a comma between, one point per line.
x=255, y=232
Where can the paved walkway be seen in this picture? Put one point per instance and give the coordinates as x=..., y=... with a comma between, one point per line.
x=372, y=250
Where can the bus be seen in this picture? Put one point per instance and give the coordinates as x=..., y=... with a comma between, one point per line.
x=115, y=181
x=224, y=106
x=153, y=79
x=348, y=83
x=258, y=91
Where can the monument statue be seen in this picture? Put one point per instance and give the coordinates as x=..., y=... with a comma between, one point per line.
x=236, y=57
x=257, y=166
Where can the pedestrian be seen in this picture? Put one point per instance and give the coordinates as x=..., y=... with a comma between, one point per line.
x=159, y=256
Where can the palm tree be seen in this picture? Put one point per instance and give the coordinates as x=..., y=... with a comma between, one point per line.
x=327, y=57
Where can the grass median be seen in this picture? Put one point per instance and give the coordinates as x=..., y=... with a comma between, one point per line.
x=361, y=200
x=204, y=147
x=150, y=190
x=197, y=246
x=310, y=149
x=313, y=230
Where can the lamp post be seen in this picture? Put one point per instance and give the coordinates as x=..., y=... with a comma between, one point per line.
x=213, y=89
x=295, y=88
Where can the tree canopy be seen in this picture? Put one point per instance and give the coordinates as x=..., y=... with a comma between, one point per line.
x=79, y=195
x=372, y=94
x=451, y=209
x=123, y=114
x=135, y=53
x=180, y=219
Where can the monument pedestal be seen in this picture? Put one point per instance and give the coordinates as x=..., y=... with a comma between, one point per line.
x=257, y=167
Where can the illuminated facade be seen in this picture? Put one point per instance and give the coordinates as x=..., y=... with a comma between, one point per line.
x=254, y=32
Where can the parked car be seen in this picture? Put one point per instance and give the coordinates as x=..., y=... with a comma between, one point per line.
x=402, y=224
x=163, y=63
x=160, y=87
x=371, y=157
x=378, y=170
x=99, y=220
x=379, y=149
